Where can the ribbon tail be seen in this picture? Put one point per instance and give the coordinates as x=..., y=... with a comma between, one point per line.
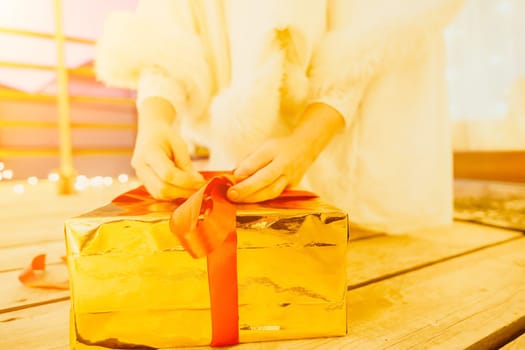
x=222, y=278
x=35, y=276
x=205, y=226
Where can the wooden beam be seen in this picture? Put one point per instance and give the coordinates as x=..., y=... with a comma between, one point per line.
x=75, y=125
x=43, y=152
x=21, y=32
x=490, y=165
x=84, y=71
x=9, y=94
x=66, y=169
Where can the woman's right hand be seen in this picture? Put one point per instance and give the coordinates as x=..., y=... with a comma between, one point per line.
x=160, y=158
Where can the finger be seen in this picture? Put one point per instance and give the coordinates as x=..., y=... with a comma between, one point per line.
x=271, y=191
x=255, y=183
x=255, y=161
x=158, y=188
x=166, y=170
x=181, y=156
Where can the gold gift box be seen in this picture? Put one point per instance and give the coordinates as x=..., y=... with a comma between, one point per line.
x=134, y=286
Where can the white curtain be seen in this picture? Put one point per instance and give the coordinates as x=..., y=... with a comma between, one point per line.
x=486, y=75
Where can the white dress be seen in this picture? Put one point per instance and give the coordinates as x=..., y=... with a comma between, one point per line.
x=241, y=71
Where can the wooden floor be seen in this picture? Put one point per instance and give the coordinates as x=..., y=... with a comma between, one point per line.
x=451, y=288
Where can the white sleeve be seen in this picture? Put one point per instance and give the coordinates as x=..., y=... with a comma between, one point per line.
x=351, y=55
x=156, y=51
x=153, y=82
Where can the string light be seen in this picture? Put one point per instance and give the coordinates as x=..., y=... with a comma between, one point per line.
x=82, y=182
x=96, y=181
x=32, y=180
x=7, y=174
x=53, y=177
x=108, y=180
x=123, y=178
x=19, y=189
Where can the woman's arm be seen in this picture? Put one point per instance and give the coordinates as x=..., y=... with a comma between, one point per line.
x=157, y=52
x=367, y=38
x=160, y=157
x=347, y=59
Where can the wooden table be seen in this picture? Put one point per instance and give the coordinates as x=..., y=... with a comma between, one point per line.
x=451, y=288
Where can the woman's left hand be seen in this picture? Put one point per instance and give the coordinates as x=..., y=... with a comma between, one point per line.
x=281, y=162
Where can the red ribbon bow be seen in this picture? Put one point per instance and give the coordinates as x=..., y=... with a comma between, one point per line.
x=205, y=225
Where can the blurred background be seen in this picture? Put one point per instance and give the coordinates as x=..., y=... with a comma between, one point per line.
x=57, y=120
x=99, y=120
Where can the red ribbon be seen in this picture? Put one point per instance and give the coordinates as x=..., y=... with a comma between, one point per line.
x=205, y=226
x=35, y=275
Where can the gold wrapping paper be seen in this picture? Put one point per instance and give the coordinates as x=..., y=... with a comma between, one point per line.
x=134, y=286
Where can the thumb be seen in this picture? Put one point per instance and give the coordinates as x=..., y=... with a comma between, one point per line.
x=182, y=157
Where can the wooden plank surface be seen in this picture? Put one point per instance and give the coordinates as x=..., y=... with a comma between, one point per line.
x=38, y=214
x=19, y=257
x=15, y=295
x=40, y=328
x=516, y=344
x=452, y=305
x=375, y=259
x=473, y=300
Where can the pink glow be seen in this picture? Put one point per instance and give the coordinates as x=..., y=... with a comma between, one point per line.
x=82, y=18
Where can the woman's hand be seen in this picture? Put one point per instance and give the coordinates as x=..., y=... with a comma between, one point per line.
x=275, y=165
x=160, y=157
x=280, y=163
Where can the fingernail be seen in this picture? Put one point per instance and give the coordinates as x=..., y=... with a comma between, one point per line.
x=233, y=194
